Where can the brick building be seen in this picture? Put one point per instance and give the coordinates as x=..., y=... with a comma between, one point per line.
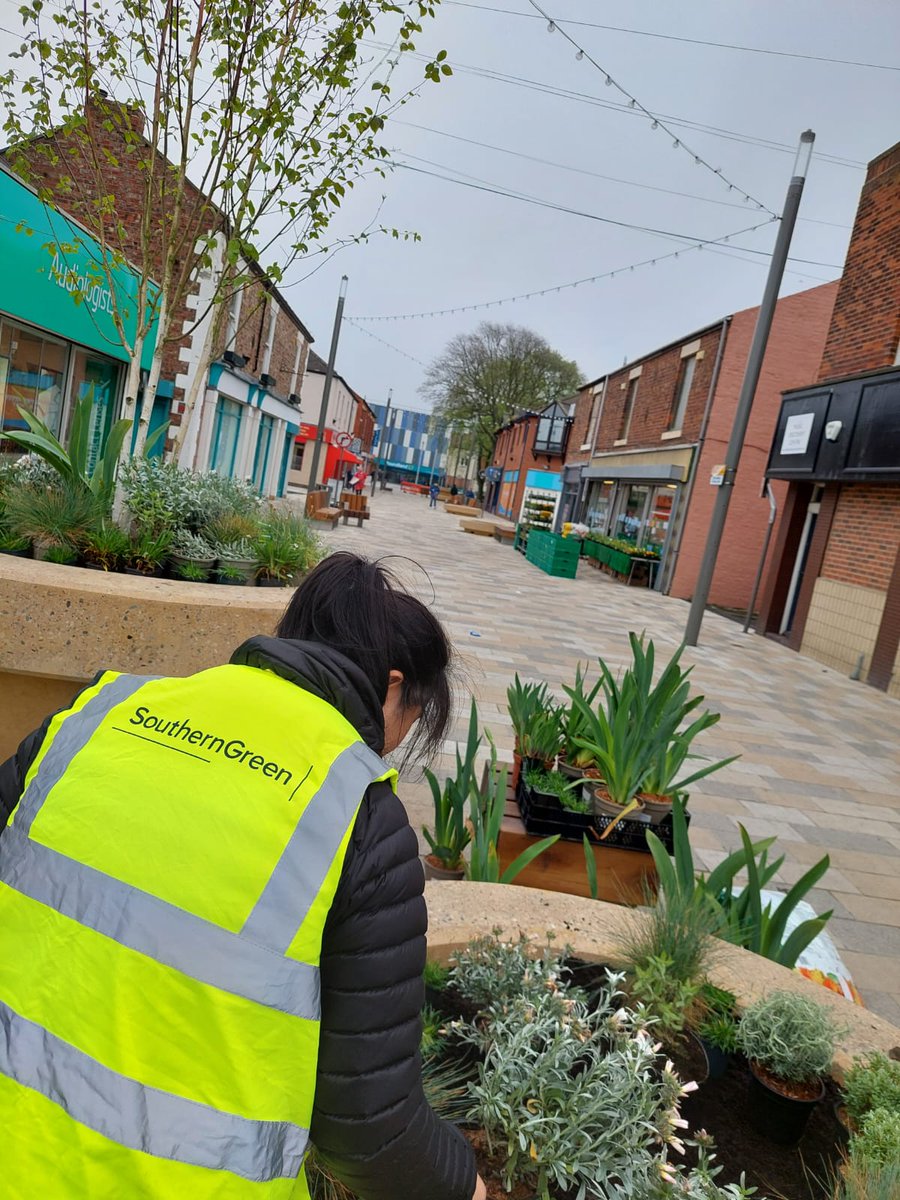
x=528, y=460
x=246, y=417
x=833, y=591
x=647, y=438
x=347, y=415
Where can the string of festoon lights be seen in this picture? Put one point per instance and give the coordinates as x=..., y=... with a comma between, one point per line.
x=562, y=287
x=656, y=123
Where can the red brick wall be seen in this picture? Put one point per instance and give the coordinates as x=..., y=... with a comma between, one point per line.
x=364, y=425
x=865, y=329
x=578, y=434
x=123, y=178
x=512, y=452
x=795, y=347
x=655, y=397
x=865, y=536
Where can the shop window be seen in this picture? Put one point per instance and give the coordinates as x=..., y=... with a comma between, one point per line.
x=631, y=513
x=263, y=450
x=659, y=517
x=226, y=429
x=32, y=376
x=98, y=379
x=628, y=412
x=682, y=392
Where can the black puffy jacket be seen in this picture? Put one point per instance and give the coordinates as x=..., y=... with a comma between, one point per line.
x=371, y=1122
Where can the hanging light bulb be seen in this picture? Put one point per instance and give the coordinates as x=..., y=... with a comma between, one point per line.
x=676, y=144
x=654, y=124
x=609, y=81
x=551, y=28
x=696, y=160
x=579, y=56
x=632, y=103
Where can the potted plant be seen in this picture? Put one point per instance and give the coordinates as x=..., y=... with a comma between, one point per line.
x=574, y=759
x=191, y=572
x=789, y=1041
x=715, y=1025
x=229, y=574
x=871, y=1082
x=104, y=546
x=236, y=561
x=146, y=552
x=66, y=556
x=486, y=808
x=543, y=737
x=451, y=833
x=662, y=781
x=552, y=803
x=285, y=547
x=524, y=701
x=50, y=516
x=192, y=549
x=15, y=544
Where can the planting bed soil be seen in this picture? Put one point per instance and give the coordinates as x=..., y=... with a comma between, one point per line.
x=803, y=1172
x=719, y=1106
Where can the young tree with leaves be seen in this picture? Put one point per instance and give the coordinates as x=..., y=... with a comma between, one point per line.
x=485, y=378
x=237, y=128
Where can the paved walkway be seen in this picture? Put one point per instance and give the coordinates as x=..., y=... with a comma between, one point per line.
x=820, y=755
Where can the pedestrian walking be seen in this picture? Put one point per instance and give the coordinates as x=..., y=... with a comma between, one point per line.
x=212, y=923
x=433, y=492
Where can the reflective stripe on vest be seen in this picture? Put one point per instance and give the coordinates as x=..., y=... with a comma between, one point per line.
x=144, y=1118
x=251, y=964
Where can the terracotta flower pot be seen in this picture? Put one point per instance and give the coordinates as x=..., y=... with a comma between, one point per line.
x=602, y=803
x=435, y=869
x=656, y=807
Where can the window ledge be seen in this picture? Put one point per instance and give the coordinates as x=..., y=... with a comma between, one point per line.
x=621, y=442
x=670, y=434
x=585, y=446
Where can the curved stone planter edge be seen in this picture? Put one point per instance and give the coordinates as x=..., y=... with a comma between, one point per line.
x=457, y=912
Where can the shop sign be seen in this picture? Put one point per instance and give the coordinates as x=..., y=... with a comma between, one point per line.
x=717, y=476
x=796, y=433
x=52, y=276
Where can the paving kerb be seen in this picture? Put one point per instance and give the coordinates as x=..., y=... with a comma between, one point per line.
x=802, y=729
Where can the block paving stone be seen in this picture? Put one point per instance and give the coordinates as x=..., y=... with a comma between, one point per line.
x=820, y=754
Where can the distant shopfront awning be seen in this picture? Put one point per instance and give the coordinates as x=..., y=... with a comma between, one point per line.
x=639, y=473
x=337, y=460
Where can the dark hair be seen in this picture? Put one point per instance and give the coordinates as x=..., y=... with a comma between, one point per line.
x=359, y=608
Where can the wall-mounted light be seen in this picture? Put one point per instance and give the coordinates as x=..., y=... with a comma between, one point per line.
x=833, y=430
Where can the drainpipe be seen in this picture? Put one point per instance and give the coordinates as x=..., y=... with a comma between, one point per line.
x=773, y=513
x=667, y=574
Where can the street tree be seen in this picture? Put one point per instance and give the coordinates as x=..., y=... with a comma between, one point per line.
x=485, y=378
x=201, y=139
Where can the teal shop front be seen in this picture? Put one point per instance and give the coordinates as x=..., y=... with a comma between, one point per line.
x=58, y=338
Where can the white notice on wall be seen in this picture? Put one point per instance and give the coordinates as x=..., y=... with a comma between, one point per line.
x=796, y=433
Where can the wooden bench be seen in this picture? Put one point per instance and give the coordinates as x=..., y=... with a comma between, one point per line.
x=317, y=509
x=354, y=507
x=462, y=510
x=505, y=535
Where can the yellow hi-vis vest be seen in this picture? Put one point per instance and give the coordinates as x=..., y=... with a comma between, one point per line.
x=164, y=886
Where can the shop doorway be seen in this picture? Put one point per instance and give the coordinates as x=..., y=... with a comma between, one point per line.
x=800, y=561
x=98, y=379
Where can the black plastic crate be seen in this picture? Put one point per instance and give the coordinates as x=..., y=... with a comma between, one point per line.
x=630, y=834
x=543, y=819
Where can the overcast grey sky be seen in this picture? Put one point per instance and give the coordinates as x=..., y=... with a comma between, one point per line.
x=589, y=151
x=478, y=247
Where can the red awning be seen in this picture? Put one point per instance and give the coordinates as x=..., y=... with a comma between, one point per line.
x=337, y=461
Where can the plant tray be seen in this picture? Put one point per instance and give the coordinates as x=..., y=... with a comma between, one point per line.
x=543, y=818
x=631, y=834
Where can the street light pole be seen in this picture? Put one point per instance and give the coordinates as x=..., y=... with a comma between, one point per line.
x=384, y=428
x=326, y=390
x=748, y=387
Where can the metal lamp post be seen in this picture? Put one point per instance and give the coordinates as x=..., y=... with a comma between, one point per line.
x=748, y=387
x=326, y=390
